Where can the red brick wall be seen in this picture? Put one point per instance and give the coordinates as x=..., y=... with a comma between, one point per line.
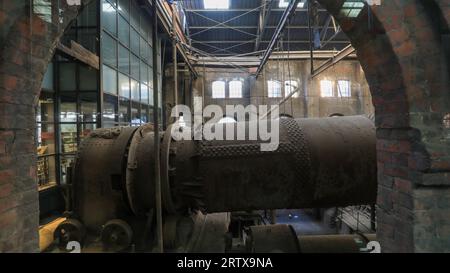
x=26, y=46
x=402, y=56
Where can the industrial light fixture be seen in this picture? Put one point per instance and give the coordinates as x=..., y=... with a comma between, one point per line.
x=285, y=3
x=216, y=4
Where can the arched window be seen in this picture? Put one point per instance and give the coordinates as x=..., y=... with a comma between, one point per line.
x=235, y=89
x=218, y=90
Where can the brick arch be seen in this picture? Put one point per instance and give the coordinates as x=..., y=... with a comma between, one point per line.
x=27, y=44
x=402, y=56
x=409, y=94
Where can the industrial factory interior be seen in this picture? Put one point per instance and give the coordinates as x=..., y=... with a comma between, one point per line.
x=225, y=127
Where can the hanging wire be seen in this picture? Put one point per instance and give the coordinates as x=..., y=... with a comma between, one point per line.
x=289, y=64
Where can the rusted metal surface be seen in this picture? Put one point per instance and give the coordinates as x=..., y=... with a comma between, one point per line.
x=319, y=163
x=272, y=239
x=99, y=177
x=354, y=243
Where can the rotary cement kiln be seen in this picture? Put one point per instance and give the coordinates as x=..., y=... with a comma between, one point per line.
x=319, y=163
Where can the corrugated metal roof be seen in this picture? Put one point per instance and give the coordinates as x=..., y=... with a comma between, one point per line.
x=235, y=29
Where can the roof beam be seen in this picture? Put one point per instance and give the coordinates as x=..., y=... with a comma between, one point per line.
x=347, y=51
x=244, y=10
x=264, y=42
x=249, y=27
x=276, y=36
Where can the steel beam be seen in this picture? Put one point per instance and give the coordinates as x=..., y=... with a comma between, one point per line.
x=279, y=30
x=243, y=10
x=332, y=61
x=156, y=142
x=248, y=27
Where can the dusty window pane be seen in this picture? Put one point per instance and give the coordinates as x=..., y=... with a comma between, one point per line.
x=274, y=89
x=88, y=107
x=235, y=89
x=124, y=31
x=124, y=60
x=135, y=67
x=344, y=89
x=109, y=80
x=144, y=93
x=67, y=81
x=124, y=86
x=109, y=50
x=218, y=90
x=135, y=90
x=135, y=41
x=109, y=17
x=124, y=111
x=88, y=78
x=326, y=89
x=124, y=8
x=109, y=110
x=68, y=107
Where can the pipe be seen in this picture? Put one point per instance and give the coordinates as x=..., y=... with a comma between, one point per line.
x=156, y=142
x=175, y=62
x=290, y=10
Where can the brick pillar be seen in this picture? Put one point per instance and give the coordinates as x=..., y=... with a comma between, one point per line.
x=402, y=55
x=26, y=47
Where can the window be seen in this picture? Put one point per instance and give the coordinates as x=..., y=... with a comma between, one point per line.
x=344, y=89
x=274, y=89
x=285, y=3
x=109, y=80
x=216, y=4
x=124, y=86
x=218, y=90
x=109, y=49
x=352, y=8
x=124, y=60
x=235, y=89
x=124, y=31
x=109, y=17
x=135, y=90
x=67, y=76
x=88, y=78
x=289, y=87
x=326, y=89
x=45, y=140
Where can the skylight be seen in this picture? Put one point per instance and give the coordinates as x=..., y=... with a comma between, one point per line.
x=285, y=3
x=352, y=8
x=216, y=4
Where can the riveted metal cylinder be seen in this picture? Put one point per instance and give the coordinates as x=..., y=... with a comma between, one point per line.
x=318, y=163
x=313, y=163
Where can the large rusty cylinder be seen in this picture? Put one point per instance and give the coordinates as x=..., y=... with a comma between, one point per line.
x=318, y=163
x=323, y=162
